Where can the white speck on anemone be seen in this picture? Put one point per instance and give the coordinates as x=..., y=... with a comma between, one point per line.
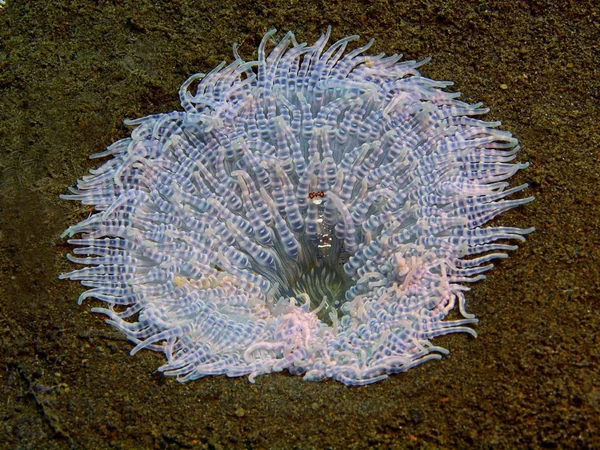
x=316, y=210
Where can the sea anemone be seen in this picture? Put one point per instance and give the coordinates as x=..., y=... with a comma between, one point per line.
x=315, y=210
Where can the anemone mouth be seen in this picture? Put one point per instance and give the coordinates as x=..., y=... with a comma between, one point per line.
x=318, y=276
x=316, y=210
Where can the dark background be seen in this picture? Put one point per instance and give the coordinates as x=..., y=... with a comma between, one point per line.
x=71, y=71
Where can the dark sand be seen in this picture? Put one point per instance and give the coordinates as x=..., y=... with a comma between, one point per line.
x=71, y=71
